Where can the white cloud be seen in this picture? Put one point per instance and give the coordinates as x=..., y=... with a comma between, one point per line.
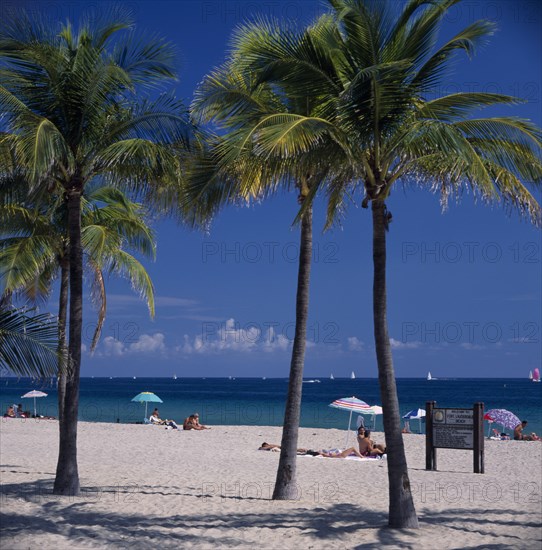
x=160, y=301
x=397, y=344
x=112, y=346
x=147, y=343
x=230, y=336
x=471, y=346
x=354, y=343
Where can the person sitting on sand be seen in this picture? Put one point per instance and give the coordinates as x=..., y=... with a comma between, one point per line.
x=366, y=445
x=10, y=412
x=20, y=413
x=518, y=432
x=192, y=423
x=155, y=419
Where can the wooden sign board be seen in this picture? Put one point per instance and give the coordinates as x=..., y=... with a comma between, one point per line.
x=448, y=428
x=453, y=428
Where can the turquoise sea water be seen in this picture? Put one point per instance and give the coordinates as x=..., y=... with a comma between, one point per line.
x=251, y=401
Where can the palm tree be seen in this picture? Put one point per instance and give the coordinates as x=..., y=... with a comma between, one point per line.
x=32, y=256
x=261, y=148
x=373, y=70
x=28, y=343
x=72, y=115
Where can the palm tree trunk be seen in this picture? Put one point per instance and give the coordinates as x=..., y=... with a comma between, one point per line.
x=62, y=351
x=67, y=475
x=401, y=507
x=286, y=486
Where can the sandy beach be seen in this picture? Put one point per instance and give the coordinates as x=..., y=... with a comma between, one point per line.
x=147, y=487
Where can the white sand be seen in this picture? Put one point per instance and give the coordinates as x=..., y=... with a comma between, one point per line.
x=146, y=487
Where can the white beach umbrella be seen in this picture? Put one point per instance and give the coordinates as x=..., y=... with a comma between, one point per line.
x=372, y=411
x=416, y=414
x=34, y=394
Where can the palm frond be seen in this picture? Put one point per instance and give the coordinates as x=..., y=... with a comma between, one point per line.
x=125, y=265
x=451, y=107
x=28, y=343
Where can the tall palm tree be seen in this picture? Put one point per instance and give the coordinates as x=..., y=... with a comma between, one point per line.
x=28, y=343
x=261, y=148
x=373, y=70
x=72, y=114
x=33, y=252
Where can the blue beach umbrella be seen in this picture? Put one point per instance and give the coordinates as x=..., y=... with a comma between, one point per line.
x=416, y=414
x=146, y=397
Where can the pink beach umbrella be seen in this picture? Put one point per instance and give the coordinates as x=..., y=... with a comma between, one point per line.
x=503, y=417
x=352, y=404
x=34, y=394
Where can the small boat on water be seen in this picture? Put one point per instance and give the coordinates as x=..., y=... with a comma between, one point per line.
x=174, y=377
x=331, y=377
x=353, y=375
x=430, y=377
x=536, y=375
x=530, y=375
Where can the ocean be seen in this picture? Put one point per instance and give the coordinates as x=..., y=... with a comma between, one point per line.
x=256, y=401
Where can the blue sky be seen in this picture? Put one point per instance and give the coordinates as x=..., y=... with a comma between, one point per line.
x=464, y=286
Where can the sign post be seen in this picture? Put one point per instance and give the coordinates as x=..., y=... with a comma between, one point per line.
x=454, y=429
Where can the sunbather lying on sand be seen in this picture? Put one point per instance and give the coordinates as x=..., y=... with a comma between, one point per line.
x=328, y=453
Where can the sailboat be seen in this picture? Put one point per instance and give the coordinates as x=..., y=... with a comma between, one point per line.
x=429, y=377
x=353, y=376
x=536, y=375
x=530, y=375
x=331, y=377
x=174, y=377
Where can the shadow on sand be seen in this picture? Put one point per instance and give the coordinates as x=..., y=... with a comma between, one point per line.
x=75, y=518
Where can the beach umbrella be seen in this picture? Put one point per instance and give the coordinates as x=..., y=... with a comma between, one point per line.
x=147, y=397
x=503, y=417
x=415, y=414
x=34, y=394
x=371, y=411
x=352, y=404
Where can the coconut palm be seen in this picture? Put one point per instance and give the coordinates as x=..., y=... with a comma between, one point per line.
x=373, y=70
x=262, y=148
x=32, y=255
x=28, y=343
x=72, y=114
